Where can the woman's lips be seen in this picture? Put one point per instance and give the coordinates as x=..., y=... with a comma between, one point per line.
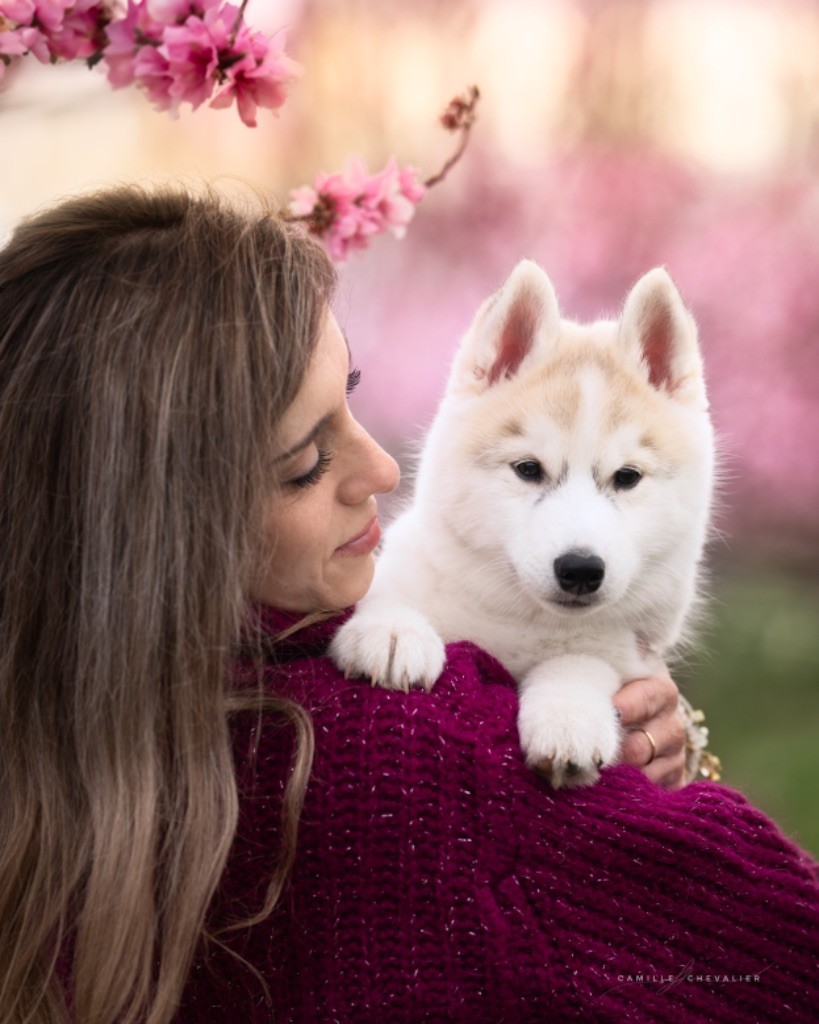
x=365, y=542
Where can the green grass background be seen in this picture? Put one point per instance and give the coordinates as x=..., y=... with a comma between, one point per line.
x=755, y=673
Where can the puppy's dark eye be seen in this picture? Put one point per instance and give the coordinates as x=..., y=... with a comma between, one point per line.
x=529, y=470
x=626, y=478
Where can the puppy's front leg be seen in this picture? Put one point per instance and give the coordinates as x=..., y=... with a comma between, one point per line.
x=567, y=725
x=392, y=644
x=389, y=638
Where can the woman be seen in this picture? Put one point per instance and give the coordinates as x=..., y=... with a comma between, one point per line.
x=183, y=490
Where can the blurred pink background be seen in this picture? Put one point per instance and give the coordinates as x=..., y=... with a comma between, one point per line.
x=746, y=258
x=612, y=137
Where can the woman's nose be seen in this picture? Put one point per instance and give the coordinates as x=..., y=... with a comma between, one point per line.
x=372, y=471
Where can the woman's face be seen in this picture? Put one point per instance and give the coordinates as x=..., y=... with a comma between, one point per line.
x=321, y=526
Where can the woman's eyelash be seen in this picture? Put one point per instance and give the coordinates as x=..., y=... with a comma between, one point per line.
x=324, y=457
x=317, y=472
x=353, y=378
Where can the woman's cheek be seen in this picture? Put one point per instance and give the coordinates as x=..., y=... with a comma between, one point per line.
x=310, y=542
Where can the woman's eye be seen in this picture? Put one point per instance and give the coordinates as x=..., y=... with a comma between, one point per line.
x=529, y=470
x=626, y=478
x=317, y=472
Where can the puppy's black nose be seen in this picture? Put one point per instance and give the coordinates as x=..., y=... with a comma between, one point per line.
x=579, y=574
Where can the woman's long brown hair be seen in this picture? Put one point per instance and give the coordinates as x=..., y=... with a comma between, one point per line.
x=150, y=341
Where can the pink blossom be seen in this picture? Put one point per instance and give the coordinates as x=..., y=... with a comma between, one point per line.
x=346, y=209
x=79, y=32
x=136, y=52
x=51, y=28
x=51, y=13
x=175, y=50
x=182, y=50
x=173, y=12
x=20, y=12
x=24, y=27
x=128, y=37
x=14, y=42
x=260, y=75
x=191, y=51
x=44, y=14
x=152, y=74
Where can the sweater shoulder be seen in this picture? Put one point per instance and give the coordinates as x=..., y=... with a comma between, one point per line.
x=460, y=741
x=378, y=734
x=473, y=689
x=434, y=869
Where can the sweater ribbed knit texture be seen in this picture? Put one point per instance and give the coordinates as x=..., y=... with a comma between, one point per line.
x=437, y=879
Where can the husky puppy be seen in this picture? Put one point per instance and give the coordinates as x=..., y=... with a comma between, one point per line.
x=560, y=512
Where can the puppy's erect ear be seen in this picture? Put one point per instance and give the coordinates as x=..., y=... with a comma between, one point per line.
x=660, y=334
x=506, y=330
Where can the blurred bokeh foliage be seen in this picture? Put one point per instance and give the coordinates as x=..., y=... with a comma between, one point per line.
x=757, y=675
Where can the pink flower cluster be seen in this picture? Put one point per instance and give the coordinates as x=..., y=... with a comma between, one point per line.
x=50, y=29
x=345, y=210
x=177, y=51
x=185, y=50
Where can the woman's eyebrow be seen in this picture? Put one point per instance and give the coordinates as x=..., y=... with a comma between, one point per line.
x=307, y=440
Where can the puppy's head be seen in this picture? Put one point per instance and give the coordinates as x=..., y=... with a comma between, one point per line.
x=577, y=458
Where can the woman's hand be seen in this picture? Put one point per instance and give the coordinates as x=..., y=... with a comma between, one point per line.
x=650, y=706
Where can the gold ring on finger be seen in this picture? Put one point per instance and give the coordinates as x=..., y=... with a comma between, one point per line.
x=650, y=739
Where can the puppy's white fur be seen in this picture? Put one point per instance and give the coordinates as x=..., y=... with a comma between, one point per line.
x=474, y=556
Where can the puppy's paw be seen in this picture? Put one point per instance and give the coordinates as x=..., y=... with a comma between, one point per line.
x=394, y=647
x=567, y=744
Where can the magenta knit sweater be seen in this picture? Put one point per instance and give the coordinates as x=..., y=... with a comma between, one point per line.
x=438, y=879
